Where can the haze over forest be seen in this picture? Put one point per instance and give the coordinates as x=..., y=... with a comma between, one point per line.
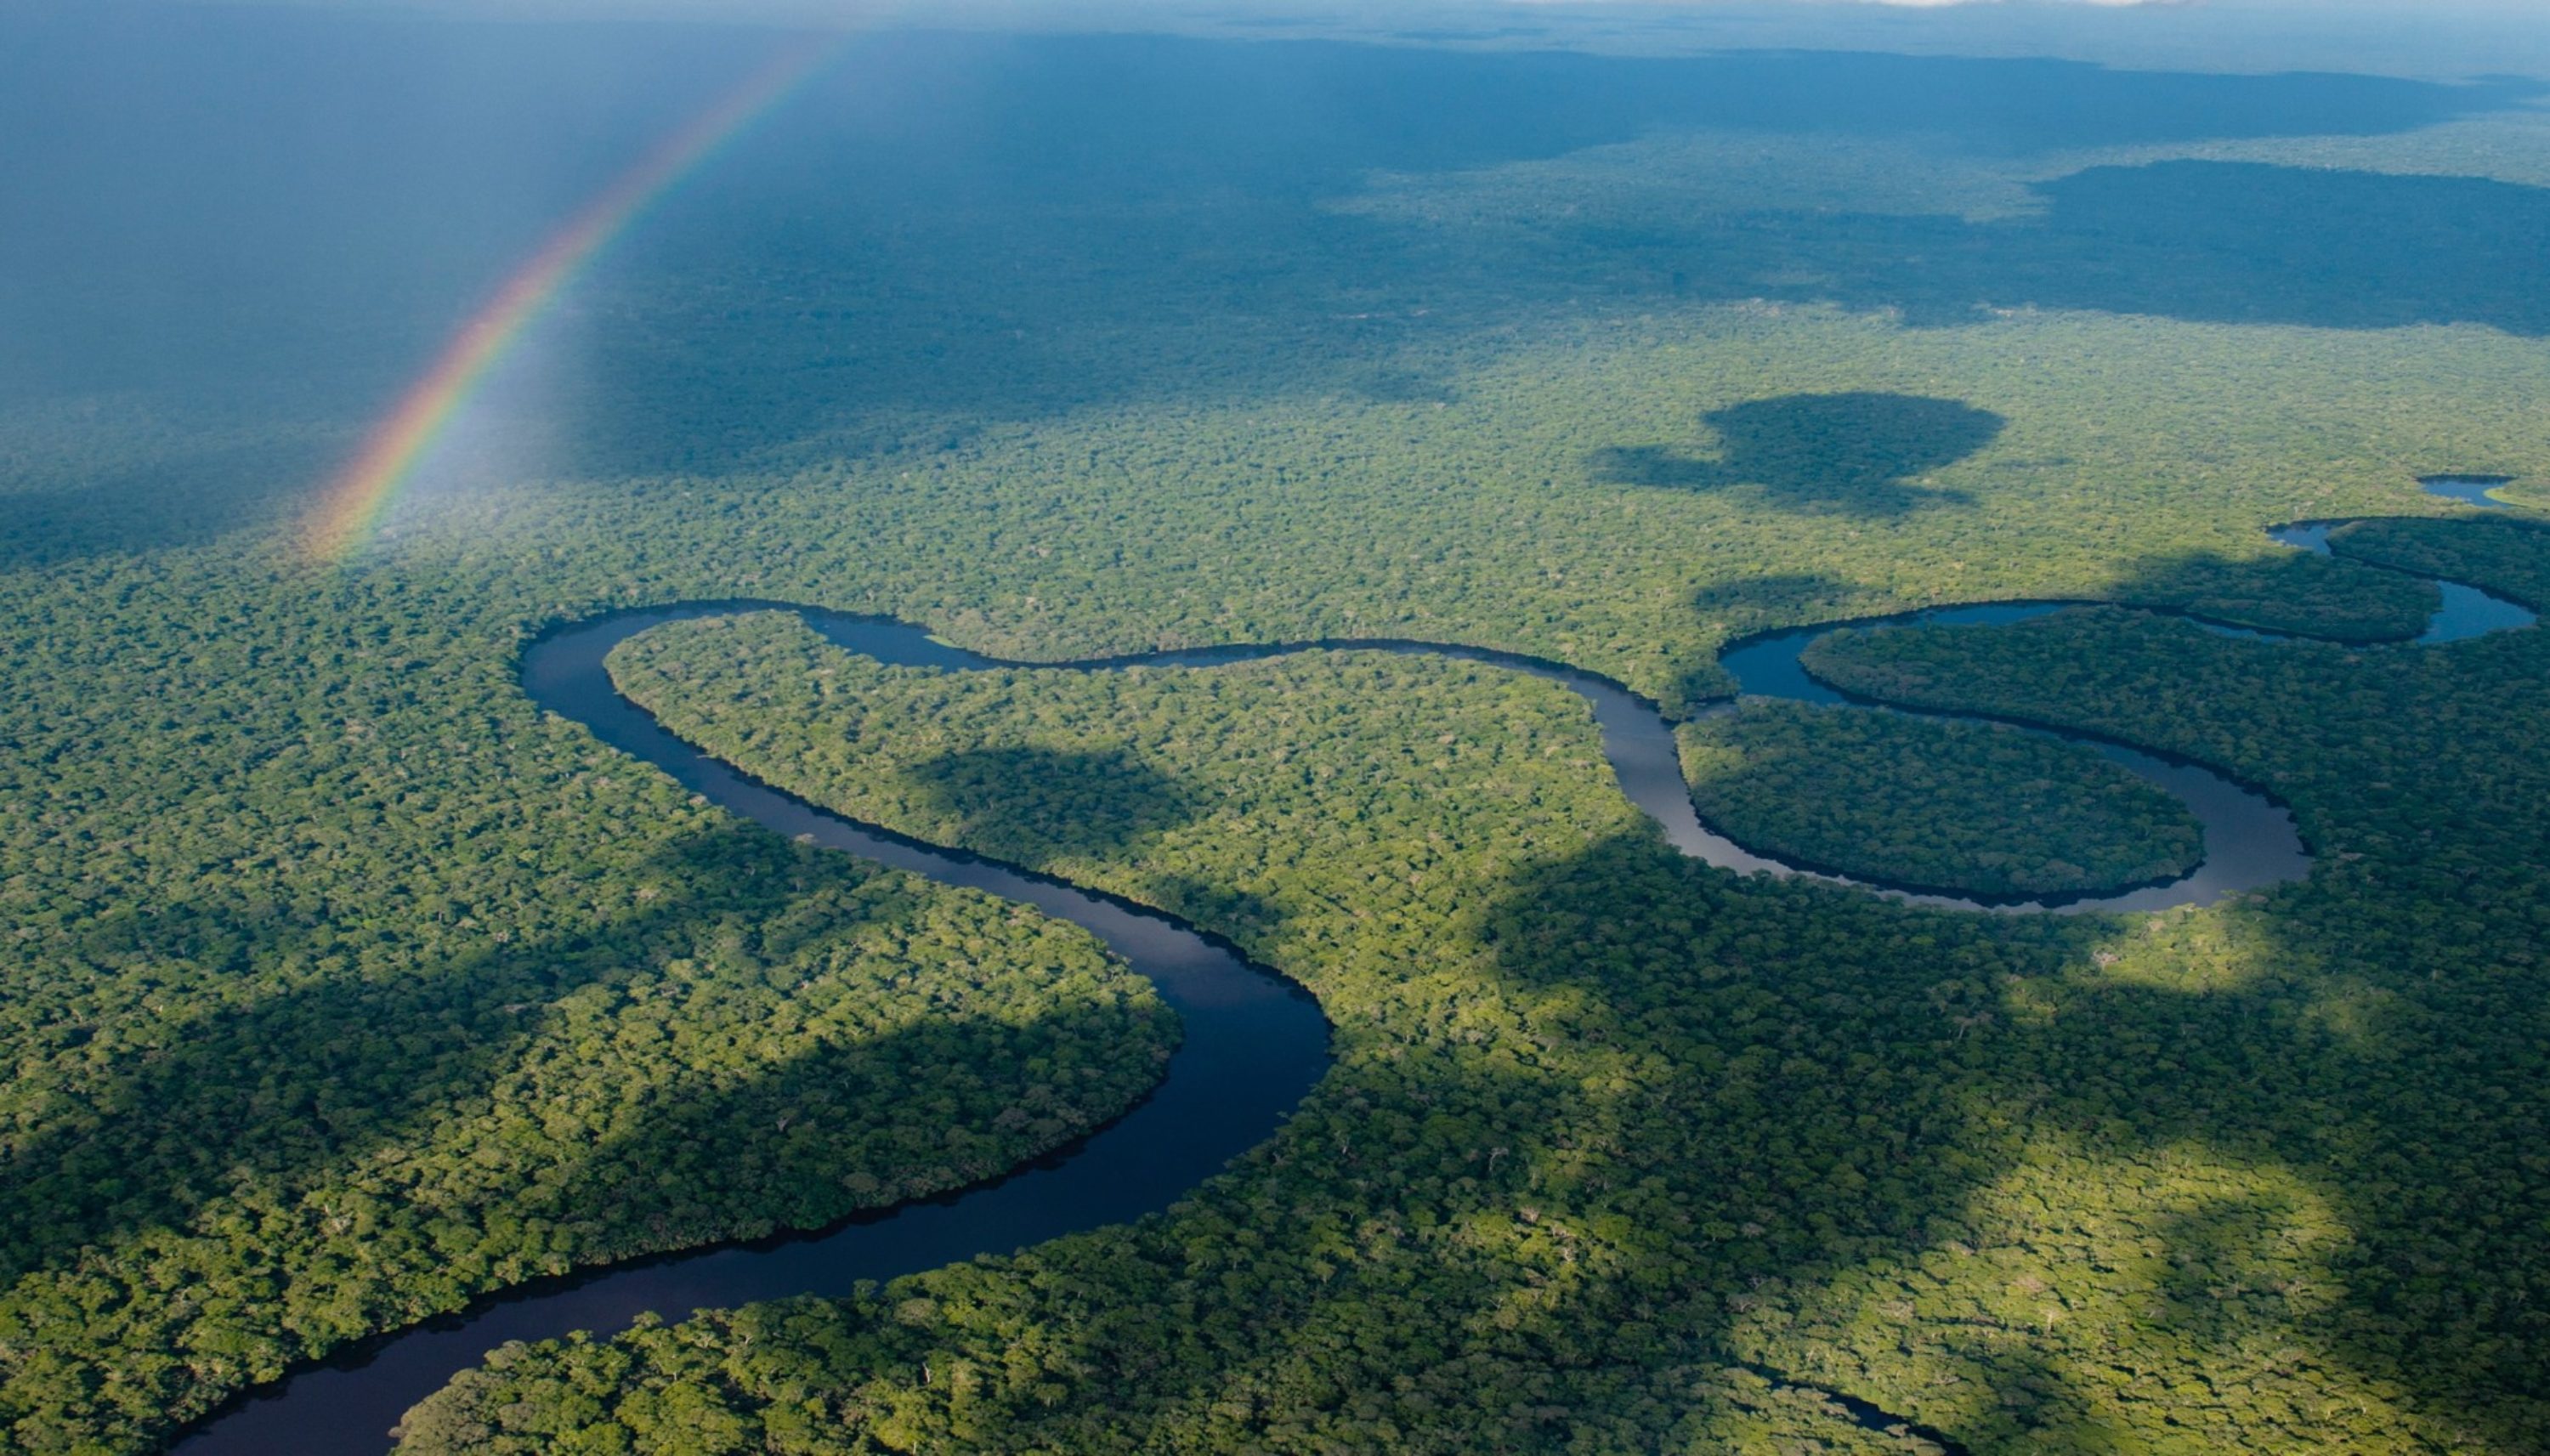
x=1561, y=727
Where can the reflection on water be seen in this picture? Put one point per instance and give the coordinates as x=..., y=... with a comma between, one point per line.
x=2469, y=611
x=2469, y=490
x=2305, y=535
x=2466, y=611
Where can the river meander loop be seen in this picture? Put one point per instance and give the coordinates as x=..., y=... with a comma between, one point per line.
x=1253, y=1045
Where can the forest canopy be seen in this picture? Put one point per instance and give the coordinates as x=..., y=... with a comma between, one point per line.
x=1931, y=804
x=344, y=986
x=1829, y=1104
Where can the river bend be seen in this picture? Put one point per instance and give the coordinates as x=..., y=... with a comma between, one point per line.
x=1253, y=1045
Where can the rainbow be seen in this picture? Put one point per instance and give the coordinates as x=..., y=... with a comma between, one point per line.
x=354, y=502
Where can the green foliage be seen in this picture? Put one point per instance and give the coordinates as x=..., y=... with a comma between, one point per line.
x=1937, y=805
x=1611, y=1135
x=2413, y=771
x=422, y=1035
x=2504, y=556
x=313, y=921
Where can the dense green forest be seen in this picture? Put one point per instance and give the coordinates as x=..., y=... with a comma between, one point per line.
x=1964, y=807
x=344, y=985
x=2203, y=1180
x=360, y=1029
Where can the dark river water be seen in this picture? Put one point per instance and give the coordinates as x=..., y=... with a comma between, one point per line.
x=1253, y=1043
x=2467, y=611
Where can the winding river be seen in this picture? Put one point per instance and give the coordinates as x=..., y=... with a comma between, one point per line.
x=1253, y=1043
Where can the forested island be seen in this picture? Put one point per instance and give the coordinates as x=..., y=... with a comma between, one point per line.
x=347, y=987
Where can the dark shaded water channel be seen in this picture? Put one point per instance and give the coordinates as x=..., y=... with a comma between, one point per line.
x=1253, y=1043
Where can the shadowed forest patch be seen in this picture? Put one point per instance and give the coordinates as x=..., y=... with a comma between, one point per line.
x=1859, y=453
